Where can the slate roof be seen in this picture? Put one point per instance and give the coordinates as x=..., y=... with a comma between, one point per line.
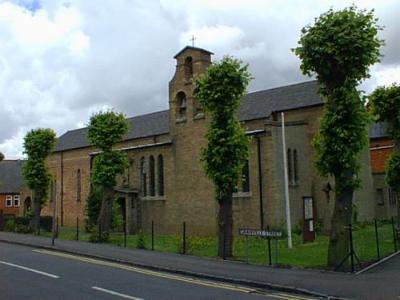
x=254, y=106
x=378, y=130
x=11, y=180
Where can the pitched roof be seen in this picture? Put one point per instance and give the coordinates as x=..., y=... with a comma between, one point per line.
x=254, y=106
x=11, y=180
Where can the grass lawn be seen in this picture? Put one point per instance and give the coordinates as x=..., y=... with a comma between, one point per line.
x=311, y=255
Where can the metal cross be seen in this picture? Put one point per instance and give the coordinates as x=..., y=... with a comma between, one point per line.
x=193, y=39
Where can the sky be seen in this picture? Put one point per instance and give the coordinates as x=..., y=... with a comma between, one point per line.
x=61, y=61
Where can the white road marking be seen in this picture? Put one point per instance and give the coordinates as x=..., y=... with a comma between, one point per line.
x=29, y=269
x=115, y=293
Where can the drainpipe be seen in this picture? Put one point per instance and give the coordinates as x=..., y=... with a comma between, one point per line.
x=62, y=189
x=260, y=187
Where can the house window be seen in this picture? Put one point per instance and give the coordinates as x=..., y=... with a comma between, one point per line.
x=78, y=185
x=160, y=175
x=9, y=199
x=181, y=103
x=392, y=197
x=16, y=200
x=152, y=177
x=295, y=167
x=292, y=166
x=379, y=197
x=289, y=165
x=143, y=176
x=245, y=177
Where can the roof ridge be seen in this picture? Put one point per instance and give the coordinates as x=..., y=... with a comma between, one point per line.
x=282, y=86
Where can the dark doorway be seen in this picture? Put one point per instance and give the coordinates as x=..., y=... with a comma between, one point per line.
x=27, y=205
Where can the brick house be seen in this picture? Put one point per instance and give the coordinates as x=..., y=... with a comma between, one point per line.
x=381, y=146
x=165, y=180
x=11, y=187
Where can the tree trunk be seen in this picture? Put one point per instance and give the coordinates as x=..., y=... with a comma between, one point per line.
x=339, y=245
x=225, y=224
x=35, y=222
x=105, y=215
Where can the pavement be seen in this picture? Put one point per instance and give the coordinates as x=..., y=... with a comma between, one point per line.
x=381, y=282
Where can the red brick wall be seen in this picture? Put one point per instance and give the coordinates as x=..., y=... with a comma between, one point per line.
x=8, y=210
x=380, y=150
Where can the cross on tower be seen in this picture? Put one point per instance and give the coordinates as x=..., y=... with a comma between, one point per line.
x=193, y=39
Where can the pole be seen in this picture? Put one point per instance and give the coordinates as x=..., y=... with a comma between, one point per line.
x=247, y=248
x=269, y=248
x=377, y=239
x=125, y=233
x=152, y=235
x=394, y=235
x=286, y=183
x=260, y=187
x=184, y=239
x=77, y=228
x=57, y=227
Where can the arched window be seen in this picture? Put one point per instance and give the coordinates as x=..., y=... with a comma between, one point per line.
x=152, y=177
x=188, y=68
x=197, y=108
x=160, y=175
x=78, y=185
x=245, y=177
x=295, y=167
x=289, y=166
x=181, y=105
x=143, y=178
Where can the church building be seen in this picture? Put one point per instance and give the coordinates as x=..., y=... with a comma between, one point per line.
x=165, y=181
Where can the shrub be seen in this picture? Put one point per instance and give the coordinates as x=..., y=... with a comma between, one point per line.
x=9, y=224
x=93, y=205
x=104, y=238
x=22, y=224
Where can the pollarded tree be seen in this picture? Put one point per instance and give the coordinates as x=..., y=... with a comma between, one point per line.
x=38, y=144
x=385, y=106
x=339, y=48
x=220, y=91
x=104, y=131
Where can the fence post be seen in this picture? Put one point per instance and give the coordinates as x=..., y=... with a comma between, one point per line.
x=269, y=248
x=394, y=235
x=152, y=235
x=125, y=232
x=224, y=244
x=99, y=227
x=351, y=247
x=377, y=239
x=77, y=228
x=57, y=227
x=184, y=239
x=247, y=248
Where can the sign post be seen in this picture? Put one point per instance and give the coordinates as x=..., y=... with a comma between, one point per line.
x=308, y=220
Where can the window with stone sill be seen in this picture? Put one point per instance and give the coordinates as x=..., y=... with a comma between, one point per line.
x=292, y=167
x=181, y=106
x=16, y=201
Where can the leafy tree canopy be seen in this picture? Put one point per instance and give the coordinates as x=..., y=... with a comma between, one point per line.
x=220, y=91
x=1, y=156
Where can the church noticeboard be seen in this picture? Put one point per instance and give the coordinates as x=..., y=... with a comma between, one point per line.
x=308, y=208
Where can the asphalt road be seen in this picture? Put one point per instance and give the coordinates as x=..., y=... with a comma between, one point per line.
x=27, y=273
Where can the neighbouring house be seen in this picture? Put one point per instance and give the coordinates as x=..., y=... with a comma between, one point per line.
x=166, y=183
x=12, y=188
x=381, y=146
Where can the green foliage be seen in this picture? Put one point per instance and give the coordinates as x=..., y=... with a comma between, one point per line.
x=22, y=224
x=38, y=144
x=106, y=129
x=103, y=238
x=220, y=91
x=141, y=240
x=1, y=156
x=9, y=224
x=392, y=168
x=93, y=205
x=339, y=48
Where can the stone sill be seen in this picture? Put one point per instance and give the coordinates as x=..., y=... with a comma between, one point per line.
x=242, y=195
x=154, y=198
x=181, y=120
x=199, y=116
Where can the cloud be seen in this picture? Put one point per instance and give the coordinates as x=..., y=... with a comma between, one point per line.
x=60, y=61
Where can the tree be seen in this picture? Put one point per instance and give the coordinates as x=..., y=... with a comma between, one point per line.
x=104, y=131
x=220, y=91
x=385, y=106
x=38, y=144
x=339, y=48
x=1, y=156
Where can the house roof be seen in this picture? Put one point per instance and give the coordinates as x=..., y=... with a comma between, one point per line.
x=11, y=180
x=255, y=105
x=378, y=130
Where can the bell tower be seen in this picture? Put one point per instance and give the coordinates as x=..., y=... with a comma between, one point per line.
x=191, y=62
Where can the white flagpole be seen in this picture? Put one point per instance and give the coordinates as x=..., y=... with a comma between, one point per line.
x=287, y=202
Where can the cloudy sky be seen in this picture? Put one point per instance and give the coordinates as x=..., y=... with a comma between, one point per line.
x=62, y=60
